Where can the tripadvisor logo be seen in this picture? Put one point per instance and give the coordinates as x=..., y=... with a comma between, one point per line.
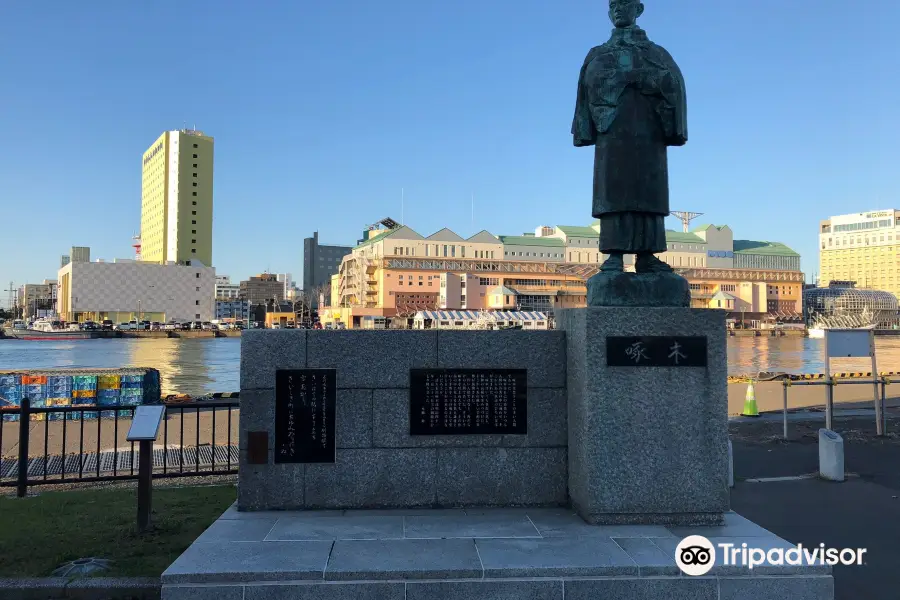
x=695, y=555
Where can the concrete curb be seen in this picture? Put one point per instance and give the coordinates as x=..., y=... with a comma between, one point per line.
x=87, y=588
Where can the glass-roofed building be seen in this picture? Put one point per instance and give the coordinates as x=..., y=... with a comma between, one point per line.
x=842, y=304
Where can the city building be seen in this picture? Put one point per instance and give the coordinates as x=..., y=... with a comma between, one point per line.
x=288, y=283
x=262, y=288
x=38, y=300
x=64, y=260
x=397, y=272
x=126, y=289
x=225, y=290
x=232, y=310
x=861, y=247
x=840, y=304
x=280, y=315
x=320, y=262
x=177, y=199
x=80, y=254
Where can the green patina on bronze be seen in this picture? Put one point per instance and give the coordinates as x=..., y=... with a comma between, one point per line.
x=631, y=106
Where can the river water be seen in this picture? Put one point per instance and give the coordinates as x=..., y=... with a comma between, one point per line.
x=206, y=365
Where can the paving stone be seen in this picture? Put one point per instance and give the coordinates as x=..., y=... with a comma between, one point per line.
x=353, y=527
x=469, y=526
x=403, y=559
x=485, y=590
x=237, y=530
x=670, y=588
x=326, y=591
x=554, y=557
x=650, y=559
x=249, y=561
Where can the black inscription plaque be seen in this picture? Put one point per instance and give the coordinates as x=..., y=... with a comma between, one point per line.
x=656, y=351
x=467, y=401
x=304, y=415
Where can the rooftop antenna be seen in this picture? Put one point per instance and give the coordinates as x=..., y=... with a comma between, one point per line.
x=473, y=211
x=685, y=216
x=402, y=206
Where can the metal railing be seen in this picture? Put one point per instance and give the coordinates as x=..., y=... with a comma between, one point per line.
x=879, y=397
x=47, y=452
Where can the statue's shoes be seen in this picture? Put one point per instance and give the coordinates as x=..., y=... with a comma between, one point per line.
x=651, y=264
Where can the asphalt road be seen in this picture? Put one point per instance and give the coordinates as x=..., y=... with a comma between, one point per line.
x=863, y=512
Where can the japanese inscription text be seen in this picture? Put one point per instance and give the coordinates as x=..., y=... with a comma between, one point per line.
x=656, y=351
x=467, y=401
x=304, y=415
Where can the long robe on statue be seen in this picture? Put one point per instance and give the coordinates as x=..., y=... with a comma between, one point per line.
x=631, y=106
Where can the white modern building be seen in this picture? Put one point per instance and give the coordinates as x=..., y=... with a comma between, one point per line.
x=124, y=289
x=285, y=279
x=225, y=290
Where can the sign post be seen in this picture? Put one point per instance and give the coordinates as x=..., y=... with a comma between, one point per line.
x=850, y=343
x=144, y=430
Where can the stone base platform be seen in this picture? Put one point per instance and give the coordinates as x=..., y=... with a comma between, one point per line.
x=468, y=554
x=663, y=289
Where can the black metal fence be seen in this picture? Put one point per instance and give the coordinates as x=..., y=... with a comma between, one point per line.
x=38, y=445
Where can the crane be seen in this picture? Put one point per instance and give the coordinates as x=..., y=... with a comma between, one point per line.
x=685, y=216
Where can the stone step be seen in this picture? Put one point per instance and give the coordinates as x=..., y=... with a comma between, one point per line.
x=451, y=554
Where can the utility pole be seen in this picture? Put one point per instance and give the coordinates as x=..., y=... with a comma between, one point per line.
x=12, y=299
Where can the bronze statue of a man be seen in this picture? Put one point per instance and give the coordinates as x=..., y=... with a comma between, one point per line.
x=631, y=106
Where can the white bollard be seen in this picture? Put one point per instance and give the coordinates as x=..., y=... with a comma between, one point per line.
x=831, y=455
x=730, y=465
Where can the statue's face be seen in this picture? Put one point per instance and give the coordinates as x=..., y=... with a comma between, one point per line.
x=624, y=13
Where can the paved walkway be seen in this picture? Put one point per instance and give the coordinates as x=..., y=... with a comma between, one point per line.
x=460, y=554
x=862, y=512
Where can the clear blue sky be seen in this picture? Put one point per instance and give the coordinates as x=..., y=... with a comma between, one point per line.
x=323, y=111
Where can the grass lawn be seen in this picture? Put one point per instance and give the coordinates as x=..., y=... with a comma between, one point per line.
x=39, y=533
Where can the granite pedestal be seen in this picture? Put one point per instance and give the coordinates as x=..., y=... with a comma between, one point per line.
x=378, y=463
x=647, y=444
x=468, y=554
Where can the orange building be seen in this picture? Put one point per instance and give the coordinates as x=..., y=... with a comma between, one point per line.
x=396, y=272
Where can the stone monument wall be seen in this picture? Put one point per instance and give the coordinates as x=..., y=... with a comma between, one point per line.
x=377, y=463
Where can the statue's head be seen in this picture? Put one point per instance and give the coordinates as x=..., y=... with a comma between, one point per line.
x=624, y=13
